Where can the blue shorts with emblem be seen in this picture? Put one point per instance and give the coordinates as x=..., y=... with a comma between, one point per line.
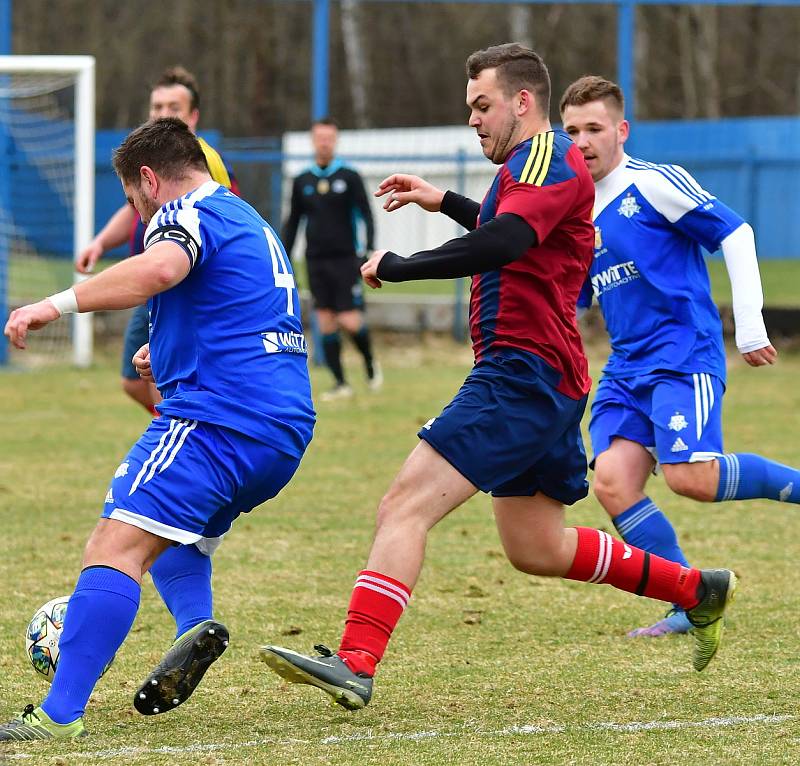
x=187, y=481
x=510, y=432
x=676, y=416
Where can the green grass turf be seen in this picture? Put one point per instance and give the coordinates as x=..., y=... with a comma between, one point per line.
x=482, y=648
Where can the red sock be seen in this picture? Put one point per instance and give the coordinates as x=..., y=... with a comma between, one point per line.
x=601, y=558
x=375, y=607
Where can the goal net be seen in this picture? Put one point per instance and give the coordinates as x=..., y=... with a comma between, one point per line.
x=46, y=195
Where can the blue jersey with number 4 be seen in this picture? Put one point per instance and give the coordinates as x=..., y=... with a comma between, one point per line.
x=648, y=272
x=226, y=343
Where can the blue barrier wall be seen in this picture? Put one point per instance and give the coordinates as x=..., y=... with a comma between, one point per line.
x=752, y=164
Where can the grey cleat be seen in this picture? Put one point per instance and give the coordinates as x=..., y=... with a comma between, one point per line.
x=33, y=723
x=706, y=618
x=182, y=668
x=327, y=671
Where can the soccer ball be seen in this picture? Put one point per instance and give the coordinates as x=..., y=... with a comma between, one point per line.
x=41, y=638
x=43, y=634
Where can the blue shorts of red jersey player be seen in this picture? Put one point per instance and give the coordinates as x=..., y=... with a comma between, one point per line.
x=511, y=433
x=187, y=481
x=137, y=333
x=676, y=416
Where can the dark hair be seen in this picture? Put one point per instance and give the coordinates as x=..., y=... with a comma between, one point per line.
x=325, y=121
x=177, y=75
x=166, y=145
x=518, y=68
x=590, y=88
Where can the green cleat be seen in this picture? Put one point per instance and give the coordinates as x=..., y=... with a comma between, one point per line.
x=33, y=723
x=182, y=668
x=327, y=671
x=706, y=618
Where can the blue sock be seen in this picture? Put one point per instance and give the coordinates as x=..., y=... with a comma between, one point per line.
x=99, y=616
x=182, y=576
x=646, y=527
x=743, y=476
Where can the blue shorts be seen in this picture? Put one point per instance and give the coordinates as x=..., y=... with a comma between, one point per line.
x=676, y=416
x=511, y=433
x=187, y=481
x=137, y=333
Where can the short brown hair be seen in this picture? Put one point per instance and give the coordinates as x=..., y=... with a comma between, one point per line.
x=518, y=68
x=166, y=145
x=327, y=120
x=177, y=75
x=590, y=88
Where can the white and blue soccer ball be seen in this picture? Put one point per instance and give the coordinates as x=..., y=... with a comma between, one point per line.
x=42, y=637
x=43, y=634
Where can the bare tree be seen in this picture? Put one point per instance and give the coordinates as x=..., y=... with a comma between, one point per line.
x=355, y=55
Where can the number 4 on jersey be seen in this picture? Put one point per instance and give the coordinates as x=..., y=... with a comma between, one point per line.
x=280, y=269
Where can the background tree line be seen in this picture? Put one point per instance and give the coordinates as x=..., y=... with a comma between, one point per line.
x=402, y=64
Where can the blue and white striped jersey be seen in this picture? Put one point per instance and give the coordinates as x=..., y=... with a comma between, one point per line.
x=648, y=271
x=226, y=343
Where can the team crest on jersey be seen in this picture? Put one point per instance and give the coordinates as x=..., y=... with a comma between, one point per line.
x=679, y=445
x=339, y=186
x=629, y=207
x=323, y=186
x=677, y=422
x=122, y=470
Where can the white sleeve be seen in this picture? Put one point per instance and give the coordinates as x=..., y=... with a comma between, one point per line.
x=670, y=189
x=739, y=251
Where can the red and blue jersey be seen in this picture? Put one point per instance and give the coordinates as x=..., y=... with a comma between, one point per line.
x=530, y=303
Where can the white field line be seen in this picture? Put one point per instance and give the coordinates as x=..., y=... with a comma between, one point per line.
x=369, y=736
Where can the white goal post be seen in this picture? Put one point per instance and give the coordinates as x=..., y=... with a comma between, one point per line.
x=63, y=156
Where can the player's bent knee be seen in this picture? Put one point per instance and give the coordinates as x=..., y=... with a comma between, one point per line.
x=543, y=566
x=608, y=491
x=689, y=480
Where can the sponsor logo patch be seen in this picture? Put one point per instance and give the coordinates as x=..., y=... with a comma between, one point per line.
x=679, y=445
x=278, y=342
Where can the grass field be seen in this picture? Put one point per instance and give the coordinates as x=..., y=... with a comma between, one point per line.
x=488, y=666
x=34, y=278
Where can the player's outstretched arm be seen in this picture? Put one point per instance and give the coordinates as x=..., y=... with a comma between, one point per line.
x=403, y=189
x=486, y=248
x=126, y=284
x=739, y=251
x=112, y=235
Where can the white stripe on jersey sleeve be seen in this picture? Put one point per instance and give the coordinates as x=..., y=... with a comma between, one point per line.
x=668, y=188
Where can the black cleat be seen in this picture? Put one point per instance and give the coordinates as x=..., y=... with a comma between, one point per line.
x=182, y=668
x=719, y=589
x=328, y=672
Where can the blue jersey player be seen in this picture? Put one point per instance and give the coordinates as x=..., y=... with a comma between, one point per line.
x=175, y=94
x=228, y=353
x=660, y=397
x=513, y=430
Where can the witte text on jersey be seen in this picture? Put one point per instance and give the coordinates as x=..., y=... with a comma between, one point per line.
x=613, y=277
x=277, y=342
